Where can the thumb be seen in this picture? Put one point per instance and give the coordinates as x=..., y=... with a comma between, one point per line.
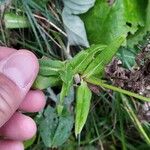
x=17, y=74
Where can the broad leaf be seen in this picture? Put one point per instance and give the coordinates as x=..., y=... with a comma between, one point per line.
x=50, y=67
x=73, y=24
x=78, y=7
x=55, y=129
x=63, y=130
x=42, y=82
x=127, y=57
x=134, y=12
x=105, y=22
x=138, y=36
x=75, y=31
x=128, y=53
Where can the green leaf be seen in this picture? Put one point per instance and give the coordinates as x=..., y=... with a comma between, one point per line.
x=50, y=67
x=13, y=21
x=75, y=31
x=49, y=73
x=98, y=65
x=67, y=77
x=105, y=22
x=138, y=36
x=83, y=98
x=42, y=82
x=78, y=6
x=29, y=142
x=80, y=62
x=66, y=74
x=127, y=56
x=134, y=12
x=54, y=129
x=70, y=97
x=45, y=62
x=64, y=127
x=73, y=24
x=148, y=16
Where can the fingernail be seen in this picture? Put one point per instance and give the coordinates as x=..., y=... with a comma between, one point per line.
x=21, y=68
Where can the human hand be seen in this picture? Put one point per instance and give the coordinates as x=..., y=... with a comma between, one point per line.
x=18, y=70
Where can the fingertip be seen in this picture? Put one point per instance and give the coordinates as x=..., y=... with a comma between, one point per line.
x=11, y=145
x=22, y=68
x=33, y=102
x=24, y=51
x=30, y=128
x=19, y=127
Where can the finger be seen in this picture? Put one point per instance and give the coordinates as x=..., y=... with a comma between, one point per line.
x=21, y=67
x=33, y=102
x=5, y=52
x=17, y=73
x=11, y=145
x=19, y=127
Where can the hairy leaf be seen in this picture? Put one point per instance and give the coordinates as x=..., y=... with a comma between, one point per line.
x=98, y=65
x=83, y=98
x=42, y=82
x=67, y=77
x=50, y=67
x=84, y=58
x=55, y=129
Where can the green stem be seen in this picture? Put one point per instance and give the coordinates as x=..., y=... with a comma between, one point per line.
x=135, y=119
x=101, y=83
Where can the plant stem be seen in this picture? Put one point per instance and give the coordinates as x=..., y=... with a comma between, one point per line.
x=101, y=83
x=134, y=118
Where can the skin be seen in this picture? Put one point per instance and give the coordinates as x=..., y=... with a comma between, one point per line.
x=18, y=70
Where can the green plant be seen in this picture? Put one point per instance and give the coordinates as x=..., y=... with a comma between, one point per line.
x=100, y=30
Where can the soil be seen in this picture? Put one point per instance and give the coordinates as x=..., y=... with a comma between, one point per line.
x=137, y=79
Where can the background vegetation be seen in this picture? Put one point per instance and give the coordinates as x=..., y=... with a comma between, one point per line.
x=61, y=29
